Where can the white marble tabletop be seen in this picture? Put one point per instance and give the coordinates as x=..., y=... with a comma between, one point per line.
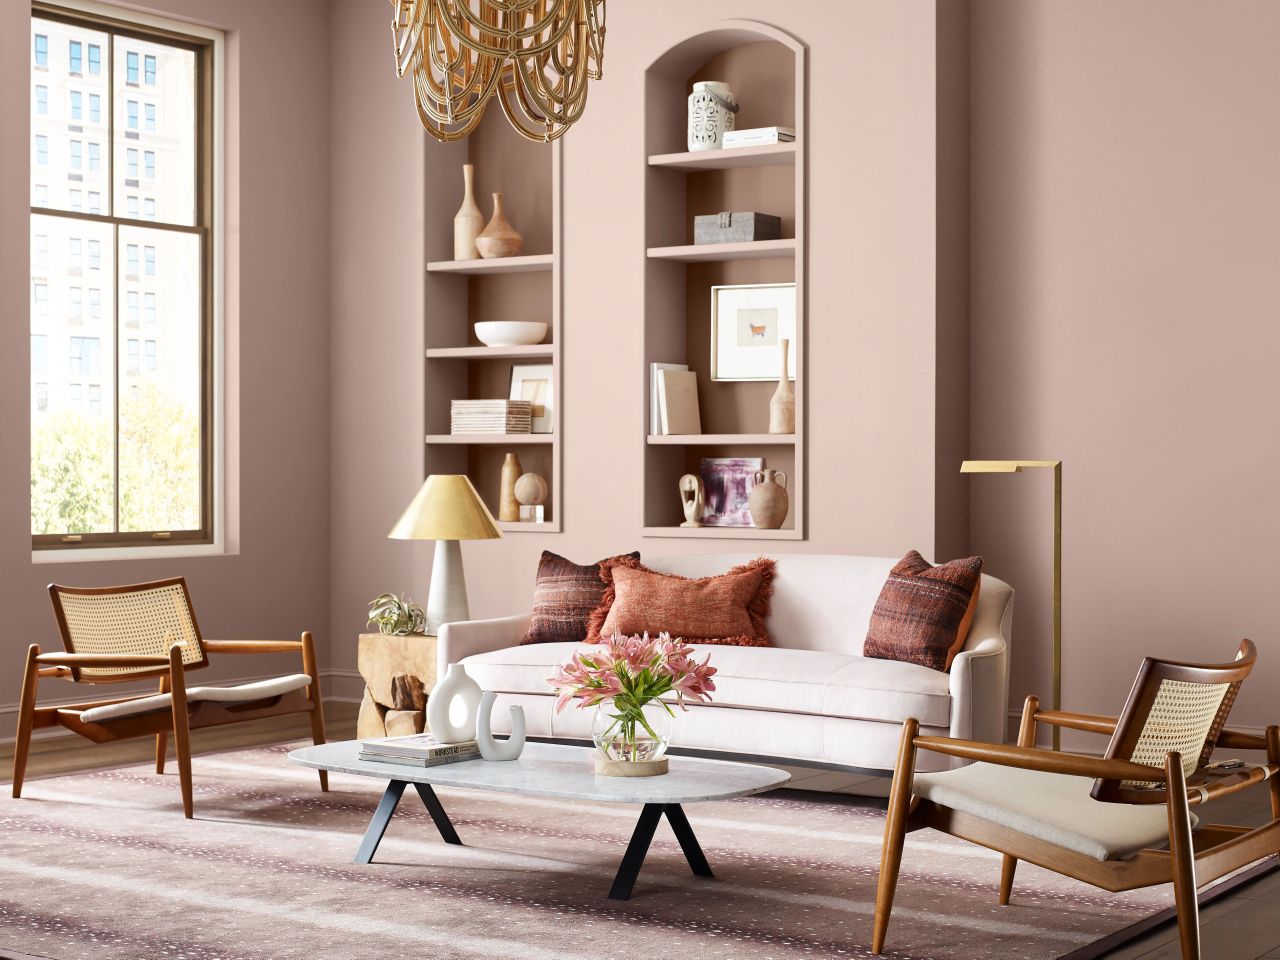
x=560, y=770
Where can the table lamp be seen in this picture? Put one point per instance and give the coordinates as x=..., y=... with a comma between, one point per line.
x=446, y=509
x=1017, y=466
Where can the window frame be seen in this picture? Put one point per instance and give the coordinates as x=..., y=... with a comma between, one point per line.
x=205, y=47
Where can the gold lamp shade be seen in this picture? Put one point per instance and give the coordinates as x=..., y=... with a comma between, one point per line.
x=447, y=507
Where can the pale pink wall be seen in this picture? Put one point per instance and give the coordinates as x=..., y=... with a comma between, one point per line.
x=1126, y=318
x=278, y=344
x=872, y=297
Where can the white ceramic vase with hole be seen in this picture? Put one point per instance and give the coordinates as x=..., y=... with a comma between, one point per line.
x=455, y=685
x=712, y=111
x=490, y=748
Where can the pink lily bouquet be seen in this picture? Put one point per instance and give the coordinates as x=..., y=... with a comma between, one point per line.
x=633, y=674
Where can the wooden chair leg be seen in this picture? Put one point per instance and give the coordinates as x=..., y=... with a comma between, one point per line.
x=162, y=739
x=26, y=717
x=311, y=668
x=895, y=832
x=1183, y=857
x=181, y=730
x=1026, y=738
x=1273, y=756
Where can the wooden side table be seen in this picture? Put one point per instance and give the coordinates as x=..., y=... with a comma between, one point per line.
x=398, y=673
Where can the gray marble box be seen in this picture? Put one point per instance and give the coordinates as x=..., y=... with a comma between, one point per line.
x=736, y=227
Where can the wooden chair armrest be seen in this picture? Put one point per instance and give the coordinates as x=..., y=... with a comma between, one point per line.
x=253, y=646
x=103, y=659
x=1046, y=761
x=1088, y=722
x=1236, y=740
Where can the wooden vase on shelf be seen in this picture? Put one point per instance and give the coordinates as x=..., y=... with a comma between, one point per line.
x=508, y=505
x=768, y=501
x=469, y=221
x=782, y=408
x=499, y=238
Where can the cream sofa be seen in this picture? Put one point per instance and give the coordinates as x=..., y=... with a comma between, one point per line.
x=811, y=698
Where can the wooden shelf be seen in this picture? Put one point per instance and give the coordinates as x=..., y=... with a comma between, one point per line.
x=703, y=252
x=537, y=350
x=721, y=439
x=528, y=526
x=769, y=155
x=721, y=533
x=533, y=264
x=494, y=438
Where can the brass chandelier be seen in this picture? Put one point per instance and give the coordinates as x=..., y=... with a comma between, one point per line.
x=534, y=56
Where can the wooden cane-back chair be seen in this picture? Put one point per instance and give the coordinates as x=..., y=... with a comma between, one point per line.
x=1118, y=822
x=147, y=630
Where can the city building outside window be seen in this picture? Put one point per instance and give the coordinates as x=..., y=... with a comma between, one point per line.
x=42, y=51
x=149, y=111
x=95, y=59
x=76, y=106
x=131, y=69
x=42, y=149
x=95, y=108
x=42, y=100
x=75, y=54
x=131, y=111
x=149, y=70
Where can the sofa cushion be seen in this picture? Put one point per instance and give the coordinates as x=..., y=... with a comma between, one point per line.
x=564, y=597
x=924, y=612
x=770, y=679
x=728, y=608
x=1052, y=807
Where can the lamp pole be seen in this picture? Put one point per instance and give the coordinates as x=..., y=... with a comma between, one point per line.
x=1017, y=466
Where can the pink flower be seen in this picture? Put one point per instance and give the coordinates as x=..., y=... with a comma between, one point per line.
x=634, y=670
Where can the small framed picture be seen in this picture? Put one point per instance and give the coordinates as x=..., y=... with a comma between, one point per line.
x=748, y=323
x=532, y=382
x=727, y=482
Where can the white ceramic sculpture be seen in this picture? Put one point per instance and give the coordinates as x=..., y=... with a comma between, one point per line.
x=712, y=111
x=491, y=749
x=455, y=685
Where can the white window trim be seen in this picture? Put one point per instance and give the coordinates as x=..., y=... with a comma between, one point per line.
x=220, y=545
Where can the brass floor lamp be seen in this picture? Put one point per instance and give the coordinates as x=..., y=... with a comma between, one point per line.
x=1017, y=466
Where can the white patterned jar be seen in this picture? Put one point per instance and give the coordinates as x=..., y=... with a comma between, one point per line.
x=712, y=111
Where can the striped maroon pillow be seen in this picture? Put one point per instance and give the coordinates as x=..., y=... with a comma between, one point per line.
x=924, y=612
x=564, y=597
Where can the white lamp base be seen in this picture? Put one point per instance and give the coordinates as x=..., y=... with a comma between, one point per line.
x=447, y=598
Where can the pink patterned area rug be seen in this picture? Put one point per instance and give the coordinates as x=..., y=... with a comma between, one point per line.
x=102, y=866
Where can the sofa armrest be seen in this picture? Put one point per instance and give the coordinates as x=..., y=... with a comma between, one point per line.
x=466, y=638
x=979, y=684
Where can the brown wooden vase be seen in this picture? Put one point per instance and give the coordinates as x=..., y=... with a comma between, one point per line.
x=499, y=238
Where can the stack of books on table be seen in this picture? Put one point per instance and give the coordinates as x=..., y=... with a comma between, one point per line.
x=491, y=416
x=758, y=136
x=417, y=750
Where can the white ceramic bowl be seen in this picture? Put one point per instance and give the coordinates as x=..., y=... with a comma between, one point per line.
x=510, y=333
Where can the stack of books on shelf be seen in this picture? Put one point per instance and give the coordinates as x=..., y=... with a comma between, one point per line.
x=491, y=416
x=758, y=136
x=417, y=750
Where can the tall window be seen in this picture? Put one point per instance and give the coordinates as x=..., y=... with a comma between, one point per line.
x=121, y=446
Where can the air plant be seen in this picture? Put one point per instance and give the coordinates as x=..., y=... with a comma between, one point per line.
x=397, y=616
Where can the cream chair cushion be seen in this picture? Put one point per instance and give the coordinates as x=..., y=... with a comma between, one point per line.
x=1049, y=806
x=243, y=693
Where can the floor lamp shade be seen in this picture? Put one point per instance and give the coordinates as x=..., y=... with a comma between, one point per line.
x=446, y=509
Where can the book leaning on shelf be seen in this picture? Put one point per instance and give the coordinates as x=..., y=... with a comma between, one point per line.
x=417, y=750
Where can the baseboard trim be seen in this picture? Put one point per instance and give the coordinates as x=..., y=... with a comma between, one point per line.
x=340, y=686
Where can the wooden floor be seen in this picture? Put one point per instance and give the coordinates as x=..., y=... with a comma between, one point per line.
x=1243, y=925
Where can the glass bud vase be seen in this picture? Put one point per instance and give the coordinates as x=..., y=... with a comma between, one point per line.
x=623, y=731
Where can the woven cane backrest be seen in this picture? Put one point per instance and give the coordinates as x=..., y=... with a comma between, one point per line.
x=146, y=618
x=1173, y=707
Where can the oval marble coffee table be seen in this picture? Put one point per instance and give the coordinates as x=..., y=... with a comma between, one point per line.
x=557, y=770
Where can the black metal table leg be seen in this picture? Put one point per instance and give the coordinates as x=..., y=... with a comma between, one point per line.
x=688, y=842
x=387, y=806
x=381, y=817
x=436, y=809
x=636, y=849
x=643, y=836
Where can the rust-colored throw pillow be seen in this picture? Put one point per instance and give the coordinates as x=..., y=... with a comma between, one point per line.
x=565, y=595
x=730, y=608
x=924, y=612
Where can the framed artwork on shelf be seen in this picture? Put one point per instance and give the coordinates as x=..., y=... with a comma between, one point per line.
x=727, y=482
x=748, y=323
x=532, y=382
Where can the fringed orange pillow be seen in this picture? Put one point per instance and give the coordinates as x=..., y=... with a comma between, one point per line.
x=730, y=608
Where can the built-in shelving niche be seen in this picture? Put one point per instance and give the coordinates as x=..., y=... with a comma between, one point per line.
x=765, y=67
x=461, y=293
